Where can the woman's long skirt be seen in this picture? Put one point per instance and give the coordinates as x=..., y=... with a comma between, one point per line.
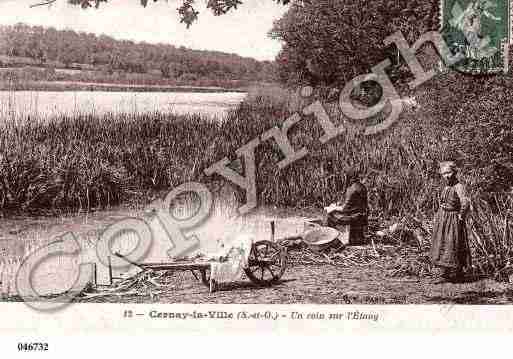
x=449, y=246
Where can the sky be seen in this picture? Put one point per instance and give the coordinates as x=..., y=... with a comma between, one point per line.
x=243, y=31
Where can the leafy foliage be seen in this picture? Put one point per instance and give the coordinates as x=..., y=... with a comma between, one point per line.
x=328, y=42
x=187, y=11
x=478, y=112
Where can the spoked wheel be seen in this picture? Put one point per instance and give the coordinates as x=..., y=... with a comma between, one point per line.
x=266, y=263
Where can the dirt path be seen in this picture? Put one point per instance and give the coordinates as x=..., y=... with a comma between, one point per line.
x=327, y=284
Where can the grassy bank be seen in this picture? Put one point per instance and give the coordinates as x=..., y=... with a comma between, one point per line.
x=85, y=86
x=43, y=79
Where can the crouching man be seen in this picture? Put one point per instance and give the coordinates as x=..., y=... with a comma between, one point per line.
x=351, y=210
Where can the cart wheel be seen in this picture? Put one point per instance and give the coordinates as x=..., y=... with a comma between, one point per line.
x=266, y=264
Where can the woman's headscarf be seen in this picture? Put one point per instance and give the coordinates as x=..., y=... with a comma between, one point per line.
x=448, y=166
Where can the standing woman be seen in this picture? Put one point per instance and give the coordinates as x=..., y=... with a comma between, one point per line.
x=449, y=247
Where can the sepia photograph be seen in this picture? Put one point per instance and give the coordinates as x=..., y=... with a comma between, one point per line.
x=266, y=152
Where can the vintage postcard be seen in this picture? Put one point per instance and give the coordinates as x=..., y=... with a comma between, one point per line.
x=255, y=165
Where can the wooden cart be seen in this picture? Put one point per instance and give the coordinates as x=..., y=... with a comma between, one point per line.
x=266, y=264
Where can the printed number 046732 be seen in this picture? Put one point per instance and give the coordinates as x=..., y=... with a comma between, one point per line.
x=31, y=347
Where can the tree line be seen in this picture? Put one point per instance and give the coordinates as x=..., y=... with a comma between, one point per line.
x=51, y=47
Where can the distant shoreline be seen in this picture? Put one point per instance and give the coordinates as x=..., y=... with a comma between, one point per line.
x=109, y=87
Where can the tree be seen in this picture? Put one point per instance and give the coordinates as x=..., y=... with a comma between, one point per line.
x=172, y=69
x=187, y=11
x=328, y=42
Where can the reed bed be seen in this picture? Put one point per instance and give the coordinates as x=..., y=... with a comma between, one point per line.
x=491, y=237
x=90, y=162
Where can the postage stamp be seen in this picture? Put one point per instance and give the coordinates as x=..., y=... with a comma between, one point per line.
x=480, y=30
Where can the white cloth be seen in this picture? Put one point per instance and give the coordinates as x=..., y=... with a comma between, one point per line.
x=229, y=263
x=332, y=207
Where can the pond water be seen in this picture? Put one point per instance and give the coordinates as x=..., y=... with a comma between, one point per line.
x=22, y=236
x=48, y=104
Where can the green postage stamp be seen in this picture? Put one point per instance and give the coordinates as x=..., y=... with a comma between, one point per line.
x=480, y=30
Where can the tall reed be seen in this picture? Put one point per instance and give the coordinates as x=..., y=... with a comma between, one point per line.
x=90, y=161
